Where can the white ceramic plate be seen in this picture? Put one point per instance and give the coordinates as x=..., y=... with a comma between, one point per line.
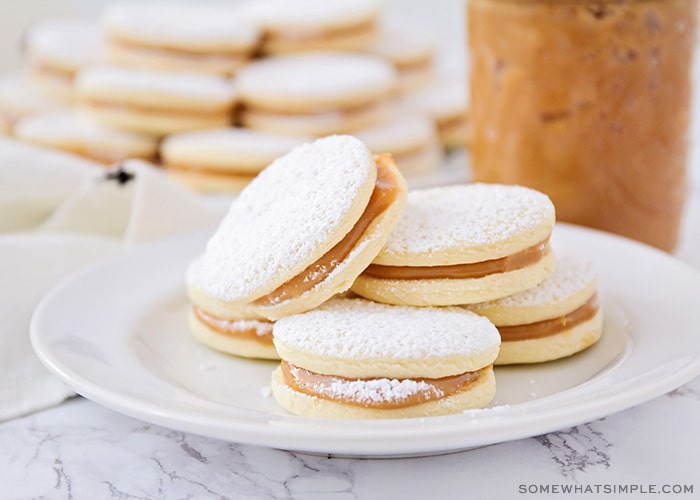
x=117, y=334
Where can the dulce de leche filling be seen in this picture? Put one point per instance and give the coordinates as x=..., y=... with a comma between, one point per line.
x=508, y=263
x=320, y=35
x=386, y=190
x=221, y=111
x=377, y=393
x=258, y=330
x=553, y=326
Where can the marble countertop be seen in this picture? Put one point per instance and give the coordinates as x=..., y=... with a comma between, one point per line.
x=82, y=450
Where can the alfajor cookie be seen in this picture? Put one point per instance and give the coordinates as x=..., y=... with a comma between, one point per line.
x=154, y=102
x=300, y=232
x=223, y=160
x=67, y=131
x=179, y=36
x=57, y=49
x=410, y=51
x=445, y=101
x=19, y=98
x=248, y=338
x=312, y=25
x=411, y=139
x=463, y=244
x=352, y=358
x=559, y=317
x=315, y=94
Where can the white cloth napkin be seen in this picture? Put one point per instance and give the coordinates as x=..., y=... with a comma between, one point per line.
x=33, y=181
x=97, y=219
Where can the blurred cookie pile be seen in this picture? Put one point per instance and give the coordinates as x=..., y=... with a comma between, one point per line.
x=190, y=85
x=381, y=302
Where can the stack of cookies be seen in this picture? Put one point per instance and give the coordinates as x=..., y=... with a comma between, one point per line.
x=282, y=71
x=382, y=303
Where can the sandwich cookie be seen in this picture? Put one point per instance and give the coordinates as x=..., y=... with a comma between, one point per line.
x=315, y=94
x=411, y=139
x=300, y=232
x=179, y=36
x=463, y=244
x=410, y=51
x=251, y=338
x=58, y=49
x=154, y=102
x=223, y=160
x=352, y=358
x=445, y=101
x=66, y=131
x=19, y=98
x=559, y=317
x=311, y=25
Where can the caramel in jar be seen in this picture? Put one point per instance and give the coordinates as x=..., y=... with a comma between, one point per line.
x=589, y=102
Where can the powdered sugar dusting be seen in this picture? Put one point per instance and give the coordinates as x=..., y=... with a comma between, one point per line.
x=314, y=76
x=468, y=215
x=357, y=329
x=286, y=214
x=379, y=390
x=573, y=273
x=103, y=81
x=181, y=24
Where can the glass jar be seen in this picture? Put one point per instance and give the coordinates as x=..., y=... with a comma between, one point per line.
x=588, y=101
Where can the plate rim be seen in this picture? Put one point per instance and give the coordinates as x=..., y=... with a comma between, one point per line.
x=262, y=433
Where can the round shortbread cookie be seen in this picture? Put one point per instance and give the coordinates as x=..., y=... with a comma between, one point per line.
x=66, y=131
x=317, y=124
x=410, y=51
x=357, y=338
x=223, y=160
x=179, y=36
x=227, y=150
x=306, y=25
x=316, y=82
x=472, y=224
x=564, y=305
x=377, y=360
x=210, y=182
x=446, y=102
x=412, y=140
x=224, y=336
x=292, y=214
x=567, y=343
x=154, y=102
x=57, y=49
x=478, y=395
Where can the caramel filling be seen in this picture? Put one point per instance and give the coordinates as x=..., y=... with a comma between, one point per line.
x=222, y=55
x=54, y=72
x=512, y=262
x=258, y=330
x=550, y=327
x=377, y=393
x=386, y=190
x=319, y=35
x=104, y=157
x=211, y=171
x=346, y=112
x=223, y=111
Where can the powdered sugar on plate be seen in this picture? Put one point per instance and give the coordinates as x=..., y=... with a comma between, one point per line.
x=359, y=329
x=293, y=208
x=466, y=216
